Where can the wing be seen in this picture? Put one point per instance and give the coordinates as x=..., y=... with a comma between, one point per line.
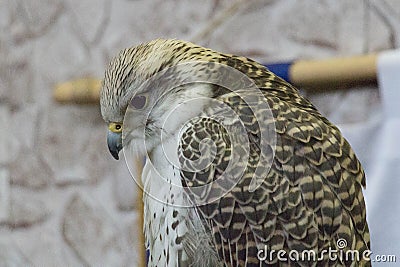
x=309, y=198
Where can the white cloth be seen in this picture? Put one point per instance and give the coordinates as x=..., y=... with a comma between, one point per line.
x=377, y=145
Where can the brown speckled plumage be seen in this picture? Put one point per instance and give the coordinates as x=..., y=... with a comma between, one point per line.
x=310, y=197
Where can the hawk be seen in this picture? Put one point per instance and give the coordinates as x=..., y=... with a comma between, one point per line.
x=241, y=170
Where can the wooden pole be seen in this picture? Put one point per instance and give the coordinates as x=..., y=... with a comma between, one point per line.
x=140, y=221
x=79, y=91
x=335, y=73
x=311, y=75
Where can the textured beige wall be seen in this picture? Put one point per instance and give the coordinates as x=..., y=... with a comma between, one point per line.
x=63, y=199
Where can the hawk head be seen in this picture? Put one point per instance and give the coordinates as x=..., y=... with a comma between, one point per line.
x=149, y=81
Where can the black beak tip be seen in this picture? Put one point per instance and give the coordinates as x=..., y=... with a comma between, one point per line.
x=114, y=142
x=114, y=150
x=115, y=154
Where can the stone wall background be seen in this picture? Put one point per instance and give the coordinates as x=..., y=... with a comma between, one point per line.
x=63, y=200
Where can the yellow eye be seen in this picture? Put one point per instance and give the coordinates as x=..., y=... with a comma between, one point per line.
x=115, y=127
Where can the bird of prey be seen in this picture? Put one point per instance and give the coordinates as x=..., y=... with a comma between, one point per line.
x=241, y=170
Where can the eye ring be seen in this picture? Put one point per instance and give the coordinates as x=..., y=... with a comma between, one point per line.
x=115, y=127
x=138, y=101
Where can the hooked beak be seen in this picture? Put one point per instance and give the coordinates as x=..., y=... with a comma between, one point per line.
x=114, y=141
